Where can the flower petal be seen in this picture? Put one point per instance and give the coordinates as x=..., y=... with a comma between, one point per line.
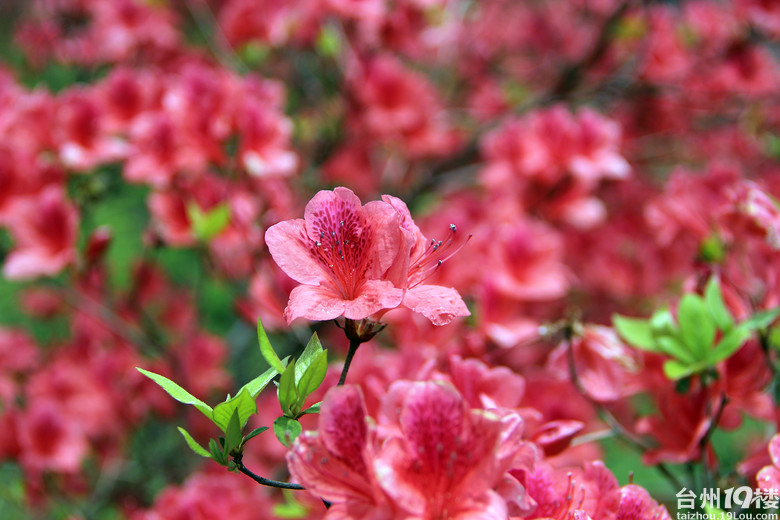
x=374, y=296
x=291, y=250
x=438, y=304
x=314, y=302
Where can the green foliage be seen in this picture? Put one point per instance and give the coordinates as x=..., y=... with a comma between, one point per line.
x=230, y=416
x=208, y=224
x=177, y=392
x=328, y=42
x=291, y=508
x=267, y=350
x=243, y=404
x=301, y=378
x=298, y=380
x=192, y=443
x=287, y=430
x=691, y=340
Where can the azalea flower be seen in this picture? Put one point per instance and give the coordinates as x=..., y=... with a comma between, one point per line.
x=355, y=261
x=438, y=449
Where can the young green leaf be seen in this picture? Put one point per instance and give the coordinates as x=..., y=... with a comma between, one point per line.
x=313, y=377
x=662, y=323
x=208, y=224
x=718, y=311
x=697, y=328
x=671, y=346
x=216, y=452
x=194, y=446
x=177, y=392
x=312, y=350
x=315, y=408
x=636, y=332
x=675, y=370
x=233, y=433
x=761, y=320
x=291, y=508
x=287, y=430
x=254, y=433
x=287, y=393
x=266, y=349
x=729, y=343
x=243, y=403
x=256, y=385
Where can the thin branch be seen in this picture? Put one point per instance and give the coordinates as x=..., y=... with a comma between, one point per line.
x=353, y=346
x=262, y=480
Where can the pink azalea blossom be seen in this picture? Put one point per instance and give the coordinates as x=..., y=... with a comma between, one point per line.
x=45, y=229
x=336, y=461
x=355, y=261
x=769, y=476
x=340, y=252
x=438, y=304
x=441, y=460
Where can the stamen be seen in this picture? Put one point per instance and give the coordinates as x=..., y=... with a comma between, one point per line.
x=437, y=252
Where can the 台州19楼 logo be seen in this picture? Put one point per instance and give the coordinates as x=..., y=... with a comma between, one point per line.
x=731, y=504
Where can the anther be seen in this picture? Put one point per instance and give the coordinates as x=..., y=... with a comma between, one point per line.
x=453, y=228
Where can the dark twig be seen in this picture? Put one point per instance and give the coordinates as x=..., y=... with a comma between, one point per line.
x=353, y=346
x=238, y=459
x=262, y=480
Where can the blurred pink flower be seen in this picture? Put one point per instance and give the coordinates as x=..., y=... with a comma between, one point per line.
x=45, y=229
x=769, y=476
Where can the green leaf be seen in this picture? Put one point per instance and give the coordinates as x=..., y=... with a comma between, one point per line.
x=636, y=332
x=254, y=433
x=288, y=395
x=208, y=224
x=671, y=346
x=216, y=452
x=718, y=310
x=729, y=343
x=287, y=430
x=675, y=370
x=313, y=377
x=194, y=446
x=267, y=350
x=662, y=323
x=243, y=403
x=761, y=320
x=312, y=350
x=177, y=392
x=233, y=433
x=291, y=508
x=256, y=385
x=328, y=42
x=315, y=408
x=697, y=328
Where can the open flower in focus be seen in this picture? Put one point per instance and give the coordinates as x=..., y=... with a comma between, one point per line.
x=339, y=252
x=355, y=261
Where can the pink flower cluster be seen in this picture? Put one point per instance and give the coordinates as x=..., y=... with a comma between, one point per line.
x=606, y=157
x=430, y=453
